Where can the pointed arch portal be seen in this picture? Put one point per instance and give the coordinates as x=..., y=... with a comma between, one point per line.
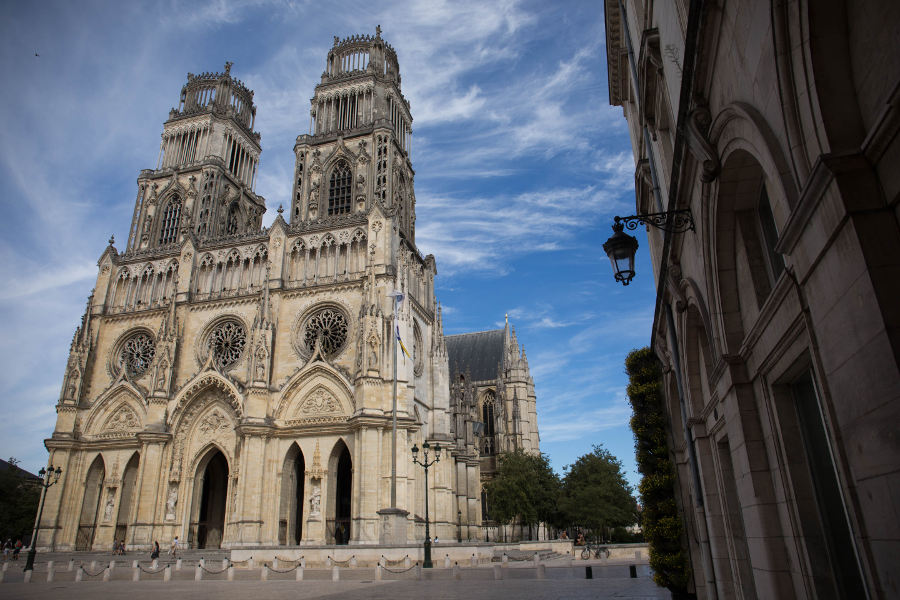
x=290, y=521
x=129, y=479
x=90, y=506
x=341, y=490
x=210, y=499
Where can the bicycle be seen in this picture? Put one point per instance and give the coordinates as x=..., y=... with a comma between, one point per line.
x=599, y=552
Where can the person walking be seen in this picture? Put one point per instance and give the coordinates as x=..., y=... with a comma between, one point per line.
x=155, y=553
x=17, y=549
x=174, y=548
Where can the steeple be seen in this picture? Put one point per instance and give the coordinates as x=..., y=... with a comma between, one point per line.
x=357, y=152
x=206, y=171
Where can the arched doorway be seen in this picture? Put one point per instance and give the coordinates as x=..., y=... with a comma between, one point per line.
x=129, y=480
x=341, y=486
x=290, y=519
x=90, y=505
x=210, y=497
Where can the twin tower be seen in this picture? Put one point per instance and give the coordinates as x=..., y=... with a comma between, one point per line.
x=232, y=384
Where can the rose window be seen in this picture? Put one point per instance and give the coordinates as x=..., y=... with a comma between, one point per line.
x=137, y=354
x=330, y=326
x=227, y=342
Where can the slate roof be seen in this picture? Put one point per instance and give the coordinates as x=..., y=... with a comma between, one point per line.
x=480, y=353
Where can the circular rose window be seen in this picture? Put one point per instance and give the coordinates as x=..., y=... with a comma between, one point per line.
x=226, y=342
x=329, y=326
x=136, y=354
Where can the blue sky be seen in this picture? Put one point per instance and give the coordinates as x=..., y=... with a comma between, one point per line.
x=520, y=166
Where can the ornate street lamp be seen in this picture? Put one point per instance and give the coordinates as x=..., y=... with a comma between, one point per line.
x=425, y=463
x=47, y=475
x=621, y=247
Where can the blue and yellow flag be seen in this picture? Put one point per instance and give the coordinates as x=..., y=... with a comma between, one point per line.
x=400, y=341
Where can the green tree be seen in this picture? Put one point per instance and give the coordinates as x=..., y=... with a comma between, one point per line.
x=595, y=493
x=19, y=498
x=525, y=488
x=661, y=523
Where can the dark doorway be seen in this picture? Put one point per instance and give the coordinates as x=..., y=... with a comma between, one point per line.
x=342, y=497
x=90, y=505
x=290, y=522
x=126, y=502
x=211, y=517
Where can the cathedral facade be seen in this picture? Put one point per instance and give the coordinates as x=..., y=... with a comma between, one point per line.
x=233, y=384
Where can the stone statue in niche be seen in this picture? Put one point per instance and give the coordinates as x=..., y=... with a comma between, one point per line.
x=110, y=502
x=315, y=501
x=171, y=501
x=161, y=383
x=260, y=364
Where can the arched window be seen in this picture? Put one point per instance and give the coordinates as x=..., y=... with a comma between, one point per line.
x=339, y=189
x=231, y=225
x=168, y=233
x=487, y=414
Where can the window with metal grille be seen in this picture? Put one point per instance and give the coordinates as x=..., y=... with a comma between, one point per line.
x=168, y=233
x=339, y=189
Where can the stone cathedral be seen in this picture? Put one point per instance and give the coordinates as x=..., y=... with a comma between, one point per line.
x=231, y=384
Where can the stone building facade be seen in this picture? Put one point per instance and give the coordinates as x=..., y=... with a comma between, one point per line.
x=776, y=124
x=232, y=384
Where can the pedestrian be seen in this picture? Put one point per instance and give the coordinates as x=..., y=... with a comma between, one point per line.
x=155, y=553
x=115, y=547
x=17, y=549
x=173, y=550
x=7, y=548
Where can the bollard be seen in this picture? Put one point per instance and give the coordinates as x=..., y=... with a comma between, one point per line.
x=106, y=574
x=353, y=562
x=136, y=575
x=167, y=574
x=112, y=565
x=541, y=571
x=202, y=562
x=264, y=573
x=226, y=563
x=378, y=573
x=6, y=566
x=250, y=563
x=446, y=561
x=178, y=565
x=474, y=561
x=335, y=573
x=27, y=576
x=406, y=562
x=536, y=559
x=456, y=573
x=299, y=573
x=637, y=555
x=230, y=574
x=71, y=564
x=93, y=565
x=327, y=561
x=2, y=573
x=134, y=564
x=588, y=573
x=632, y=571
x=381, y=561
x=504, y=559
x=418, y=572
x=49, y=571
x=198, y=573
x=498, y=572
x=79, y=574
x=275, y=563
x=155, y=564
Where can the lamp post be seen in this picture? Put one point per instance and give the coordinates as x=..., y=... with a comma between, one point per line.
x=46, y=475
x=426, y=463
x=621, y=247
x=459, y=527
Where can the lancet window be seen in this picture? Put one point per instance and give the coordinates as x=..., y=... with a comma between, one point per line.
x=339, y=191
x=488, y=444
x=168, y=231
x=381, y=157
